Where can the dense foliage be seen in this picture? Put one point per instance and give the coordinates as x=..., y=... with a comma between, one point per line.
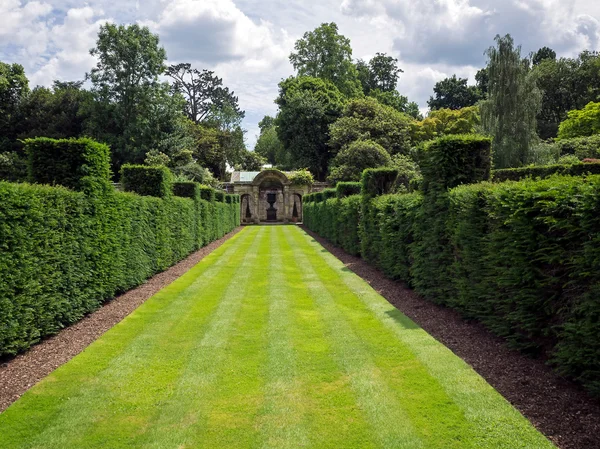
x=353, y=159
x=453, y=93
x=581, y=123
x=64, y=252
x=521, y=257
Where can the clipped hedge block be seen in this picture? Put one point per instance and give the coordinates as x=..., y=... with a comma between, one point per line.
x=345, y=189
x=66, y=162
x=453, y=160
x=219, y=196
x=186, y=189
x=147, y=181
x=378, y=181
x=207, y=193
x=329, y=193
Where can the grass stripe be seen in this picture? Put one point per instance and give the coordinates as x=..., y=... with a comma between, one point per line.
x=284, y=413
x=493, y=421
x=372, y=393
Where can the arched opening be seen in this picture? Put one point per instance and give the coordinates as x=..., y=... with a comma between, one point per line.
x=271, y=207
x=246, y=209
x=297, y=207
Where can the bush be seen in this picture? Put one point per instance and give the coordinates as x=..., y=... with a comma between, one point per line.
x=186, y=189
x=582, y=147
x=219, y=196
x=64, y=253
x=378, y=181
x=350, y=162
x=302, y=178
x=581, y=122
x=329, y=193
x=148, y=181
x=207, y=193
x=515, y=174
x=66, y=162
x=344, y=189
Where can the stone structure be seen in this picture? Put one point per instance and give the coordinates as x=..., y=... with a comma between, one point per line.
x=268, y=196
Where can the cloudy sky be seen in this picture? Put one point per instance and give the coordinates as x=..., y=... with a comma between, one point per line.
x=247, y=42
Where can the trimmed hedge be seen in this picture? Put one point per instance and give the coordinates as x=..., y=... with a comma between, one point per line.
x=148, y=181
x=545, y=171
x=66, y=162
x=63, y=253
x=344, y=189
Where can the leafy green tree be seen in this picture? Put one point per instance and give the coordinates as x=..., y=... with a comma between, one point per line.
x=453, y=93
x=268, y=144
x=442, y=122
x=203, y=91
x=60, y=112
x=482, y=81
x=215, y=148
x=14, y=87
x=399, y=102
x=132, y=109
x=581, y=122
x=566, y=84
x=326, y=54
x=367, y=119
x=353, y=159
x=251, y=161
x=307, y=106
x=380, y=74
x=543, y=54
x=509, y=113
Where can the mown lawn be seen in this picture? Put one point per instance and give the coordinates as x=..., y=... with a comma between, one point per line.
x=268, y=342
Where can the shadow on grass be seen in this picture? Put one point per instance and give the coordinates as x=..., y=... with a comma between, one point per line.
x=402, y=319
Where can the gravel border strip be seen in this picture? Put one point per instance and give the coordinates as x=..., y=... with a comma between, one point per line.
x=23, y=371
x=558, y=408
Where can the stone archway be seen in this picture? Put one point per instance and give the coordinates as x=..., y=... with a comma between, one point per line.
x=247, y=212
x=272, y=196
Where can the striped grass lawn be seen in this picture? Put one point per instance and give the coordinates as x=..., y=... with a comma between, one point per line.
x=268, y=342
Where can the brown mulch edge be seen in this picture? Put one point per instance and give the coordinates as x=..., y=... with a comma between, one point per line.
x=557, y=407
x=23, y=371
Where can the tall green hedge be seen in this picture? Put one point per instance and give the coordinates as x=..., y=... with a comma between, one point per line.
x=144, y=180
x=66, y=162
x=63, y=253
x=521, y=257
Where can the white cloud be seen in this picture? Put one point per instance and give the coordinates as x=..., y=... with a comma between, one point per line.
x=22, y=25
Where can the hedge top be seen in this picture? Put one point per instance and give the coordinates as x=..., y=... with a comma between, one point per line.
x=66, y=161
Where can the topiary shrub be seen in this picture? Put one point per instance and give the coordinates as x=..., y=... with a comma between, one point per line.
x=344, y=189
x=329, y=193
x=187, y=189
x=207, y=193
x=66, y=162
x=378, y=181
x=445, y=163
x=350, y=162
x=219, y=196
x=148, y=181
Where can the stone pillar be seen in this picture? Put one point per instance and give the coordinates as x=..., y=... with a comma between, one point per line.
x=255, y=199
x=286, y=205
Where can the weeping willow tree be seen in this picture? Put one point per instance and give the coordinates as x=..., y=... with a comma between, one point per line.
x=509, y=113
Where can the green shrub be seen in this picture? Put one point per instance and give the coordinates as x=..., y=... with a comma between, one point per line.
x=329, y=193
x=148, y=181
x=219, y=196
x=350, y=162
x=186, y=189
x=581, y=122
x=515, y=174
x=64, y=253
x=318, y=197
x=347, y=222
x=344, y=189
x=378, y=181
x=207, y=193
x=582, y=147
x=66, y=162
x=302, y=177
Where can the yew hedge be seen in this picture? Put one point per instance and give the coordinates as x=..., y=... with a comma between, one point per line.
x=522, y=257
x=65, y=252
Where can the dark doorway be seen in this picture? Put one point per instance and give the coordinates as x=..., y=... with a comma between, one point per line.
x=271, y=211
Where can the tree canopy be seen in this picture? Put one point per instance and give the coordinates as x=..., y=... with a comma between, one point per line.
x=354, y=158
x=326, y=54
x=581, y=122
x=454, y=93
x=509, y=113
x=307, y=106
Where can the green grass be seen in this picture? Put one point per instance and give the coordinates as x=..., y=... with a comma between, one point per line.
x=268, y=342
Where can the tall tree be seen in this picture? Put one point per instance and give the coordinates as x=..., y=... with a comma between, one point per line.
x=380, y=74
x=509, y=113
x=132, y=109
x=482, y=81
x=58, y=112
x=453, y=93
x=326, y=54
x=307, y=106
x=14, y=87
x=268, y=144
x=543, y=54
x=204, y=92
